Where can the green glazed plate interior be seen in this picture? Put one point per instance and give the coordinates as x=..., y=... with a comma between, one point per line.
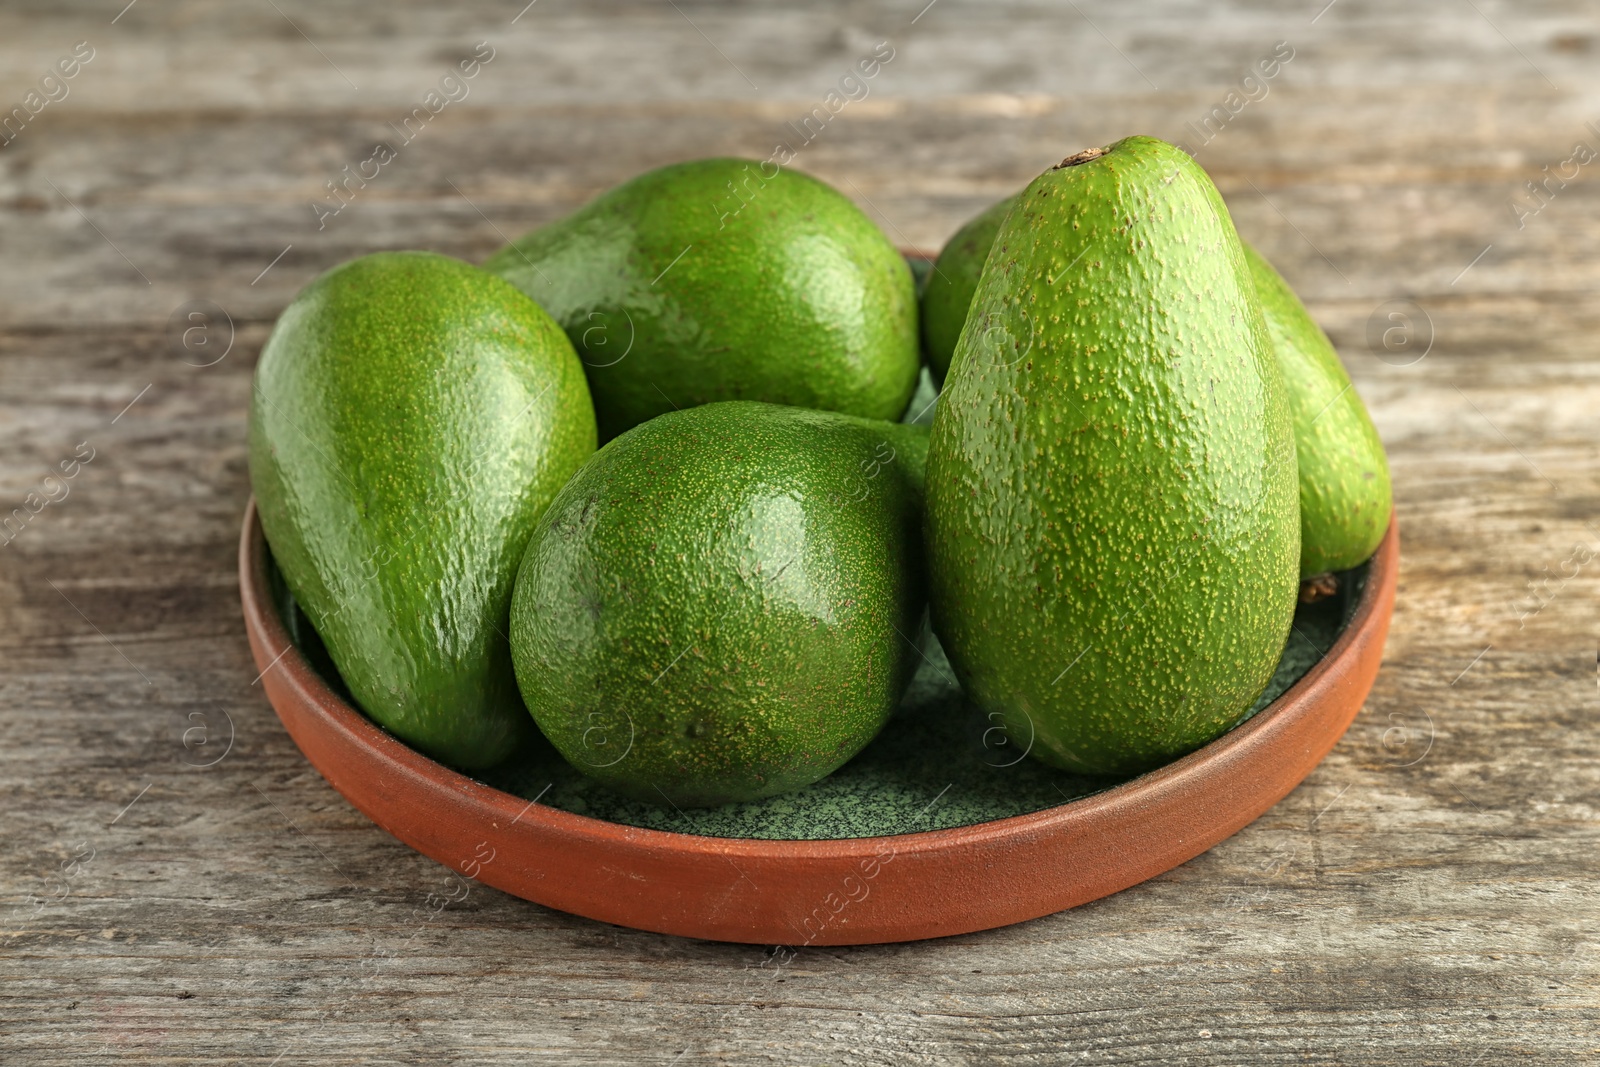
x=938, y=764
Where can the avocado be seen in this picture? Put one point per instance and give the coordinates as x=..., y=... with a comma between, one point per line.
x=714, y=280
x=1344, y=474
x=412, y=418
x=1113, y=528
x=721, y=604
x=948, y=292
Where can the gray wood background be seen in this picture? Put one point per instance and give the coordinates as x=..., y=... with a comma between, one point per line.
x=1428, y=896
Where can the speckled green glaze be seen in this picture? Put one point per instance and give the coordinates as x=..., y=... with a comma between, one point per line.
x=948, y=293
x=711, y=280
x=412, y=418
x=720, y=604
x=939, y=763
x=1113, y=526
x=1344, y=474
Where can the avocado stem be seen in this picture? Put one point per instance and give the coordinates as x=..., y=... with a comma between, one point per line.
x=1081, y=157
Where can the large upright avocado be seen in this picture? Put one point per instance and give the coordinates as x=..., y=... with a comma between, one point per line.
x=715, y=280
x=412, y=418
x=721, y=605
x=953, y=280
x=1344, y=474
x=1113, y=528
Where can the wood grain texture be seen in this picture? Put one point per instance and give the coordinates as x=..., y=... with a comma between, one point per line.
x=1428, y=896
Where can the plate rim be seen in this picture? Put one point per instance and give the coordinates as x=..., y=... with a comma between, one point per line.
x=1344, y=672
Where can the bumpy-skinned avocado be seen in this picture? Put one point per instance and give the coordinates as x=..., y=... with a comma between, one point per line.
x=948, y=292
x=1113, y=527
x=412, y=418
x=721, y=604
x=715, y=280
x=1344, y=474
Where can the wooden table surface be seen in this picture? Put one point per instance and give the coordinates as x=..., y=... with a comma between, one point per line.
x=1427, y=896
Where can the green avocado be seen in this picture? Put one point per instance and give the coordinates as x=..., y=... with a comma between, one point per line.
x=713, y=280
x=1113, y=528
x=412, y=418
x=722, y=604
x=1344, y=475
x=948, y=292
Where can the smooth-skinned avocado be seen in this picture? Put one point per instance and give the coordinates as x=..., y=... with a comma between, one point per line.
x=1112, y=515
x=412, y=418
x=954, y=278
x=1344, y=475
x=721, y=604
x=716, y=280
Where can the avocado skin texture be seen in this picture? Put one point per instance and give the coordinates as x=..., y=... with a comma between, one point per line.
x=948, y=293
x=720, y=605
x=1345, y=496
x=412, y=418
x=1113, y=529
x=1343, y=469
x=708, y=281
x=1344, y=475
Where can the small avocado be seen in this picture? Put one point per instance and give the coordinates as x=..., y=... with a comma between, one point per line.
x=948, y=292
x=721, y=604
x=412, y=418
x=1344, y=474
x=1113, y=525
x=715, y=280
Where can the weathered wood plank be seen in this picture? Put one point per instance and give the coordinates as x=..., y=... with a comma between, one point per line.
x=1401, y=212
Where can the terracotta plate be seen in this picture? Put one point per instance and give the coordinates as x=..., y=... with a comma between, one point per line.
x=823, y=892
